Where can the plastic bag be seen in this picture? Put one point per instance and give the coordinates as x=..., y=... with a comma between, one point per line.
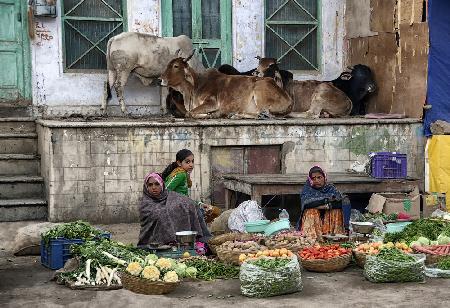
x=260, y=282
x=246, y=211
x=435, y=272
x=379, y=270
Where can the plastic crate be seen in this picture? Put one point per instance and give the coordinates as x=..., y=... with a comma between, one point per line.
x=57, y=252
x=388, y=165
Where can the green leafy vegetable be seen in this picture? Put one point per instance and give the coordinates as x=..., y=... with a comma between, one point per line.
x=208, y=269
x=72, y=230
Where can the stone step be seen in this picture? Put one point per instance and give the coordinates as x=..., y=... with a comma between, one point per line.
x=19, y=164
x=17, y=125
x=21, y=187
x=15, y=109
x=18, y=143
x=23, y=209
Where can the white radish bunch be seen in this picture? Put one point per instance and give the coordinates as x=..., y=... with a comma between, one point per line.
x=104, y=275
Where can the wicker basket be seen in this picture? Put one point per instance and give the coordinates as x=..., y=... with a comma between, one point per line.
x=360, y=258
x=232, y=256
x=145, y=286
x=336, y=264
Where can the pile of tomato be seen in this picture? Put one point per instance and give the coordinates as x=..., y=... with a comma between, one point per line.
x=323, y=252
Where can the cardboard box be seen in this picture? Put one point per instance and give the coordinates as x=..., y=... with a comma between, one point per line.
x=402, y=203
x=432, y=202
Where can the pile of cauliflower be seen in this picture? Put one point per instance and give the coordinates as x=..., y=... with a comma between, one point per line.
x=160, y=269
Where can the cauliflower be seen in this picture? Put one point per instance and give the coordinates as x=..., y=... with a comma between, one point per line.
x=134, y=268
x=151, y=273
x=180, y=269
x=164, y=264
x=191, y=272
x=150, y=259
x=171, y=276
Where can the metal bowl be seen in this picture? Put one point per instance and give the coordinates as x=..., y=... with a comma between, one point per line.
x=186, y=237
x=364, y=227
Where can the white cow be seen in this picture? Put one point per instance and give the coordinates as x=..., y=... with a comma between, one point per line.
x=144, y=55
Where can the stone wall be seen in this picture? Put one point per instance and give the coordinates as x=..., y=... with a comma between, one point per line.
x=95, y=170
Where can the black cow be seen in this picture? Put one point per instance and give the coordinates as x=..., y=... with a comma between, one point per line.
x=230, y=70
x=357, y=85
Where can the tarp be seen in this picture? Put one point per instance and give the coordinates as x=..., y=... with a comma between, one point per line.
x=438, y=91
x=438, y=147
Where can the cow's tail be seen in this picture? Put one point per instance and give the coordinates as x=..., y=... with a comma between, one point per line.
x=109, y=68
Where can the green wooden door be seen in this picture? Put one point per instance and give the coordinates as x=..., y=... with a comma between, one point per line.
x=14, y=52
x=207, y=22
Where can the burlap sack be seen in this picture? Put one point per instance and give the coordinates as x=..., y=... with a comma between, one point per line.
x=220, y=224
x=28, y=239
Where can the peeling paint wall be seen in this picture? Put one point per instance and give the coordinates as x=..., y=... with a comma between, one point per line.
x=95, y=170
x=63, y=94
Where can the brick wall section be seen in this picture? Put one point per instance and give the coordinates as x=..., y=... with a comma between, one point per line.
x=95, y=170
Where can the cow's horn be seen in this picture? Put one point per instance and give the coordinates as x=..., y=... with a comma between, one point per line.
x=189, y=57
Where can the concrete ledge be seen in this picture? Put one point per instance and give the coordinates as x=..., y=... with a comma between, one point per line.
x=171, y=122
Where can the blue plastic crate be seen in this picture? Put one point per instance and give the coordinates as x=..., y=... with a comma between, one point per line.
x=57, y=252
x=388, y=165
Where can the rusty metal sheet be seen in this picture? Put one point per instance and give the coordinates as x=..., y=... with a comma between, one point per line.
x=263, y=159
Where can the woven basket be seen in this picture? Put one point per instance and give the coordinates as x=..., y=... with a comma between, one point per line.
x=336, y=264
x=232, y=256
x=145, y=286
x=360, y=258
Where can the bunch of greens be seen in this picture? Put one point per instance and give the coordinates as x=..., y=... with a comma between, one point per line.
x=72, y=230
x=394, y=254
x=429, y=228
x=444, y=264
x=350, y=245
x=382, y=216
x=94, y=250
x=209, y=269
x=270, y=263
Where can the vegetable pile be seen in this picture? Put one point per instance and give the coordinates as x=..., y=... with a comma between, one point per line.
x=440, y=250
x=444, y=264
x=100, y=261
x=247, y=246
x=393, y=265
x=428, y=228
x=289, y=241
x=270, y=276
x=159, y=269
x=209, y=269
x=323, y=252
x=72, y=230
x=283, y=253
x=375, y=247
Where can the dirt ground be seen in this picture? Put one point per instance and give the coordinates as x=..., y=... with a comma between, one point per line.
x=24, y=282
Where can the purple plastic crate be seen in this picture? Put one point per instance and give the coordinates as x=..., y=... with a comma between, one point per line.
x=389, y=165
x=57, y=252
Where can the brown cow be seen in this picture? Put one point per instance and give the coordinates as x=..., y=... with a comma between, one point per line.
x=311, y=98
x=211, y=94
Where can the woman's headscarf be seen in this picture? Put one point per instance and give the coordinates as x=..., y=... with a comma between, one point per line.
x=316, y=169
x=163, y=195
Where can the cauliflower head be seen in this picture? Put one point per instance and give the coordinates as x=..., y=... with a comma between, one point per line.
x=171, y=276
x=150, y=259
x=180, y=269
x=151, y=273
x=134, y=268
x=164, y=264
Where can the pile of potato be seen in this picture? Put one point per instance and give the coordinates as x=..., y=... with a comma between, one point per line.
x=291, y=242
x=243, y=247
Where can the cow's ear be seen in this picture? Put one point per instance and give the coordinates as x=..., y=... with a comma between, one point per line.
x=178, y=53
x=188, y=76
x=258, y=57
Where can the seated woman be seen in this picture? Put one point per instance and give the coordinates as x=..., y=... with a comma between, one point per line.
x=177, y=177
x=321, y=206
x=163, y=213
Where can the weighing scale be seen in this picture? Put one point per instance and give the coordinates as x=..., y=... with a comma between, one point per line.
x=185, y=243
